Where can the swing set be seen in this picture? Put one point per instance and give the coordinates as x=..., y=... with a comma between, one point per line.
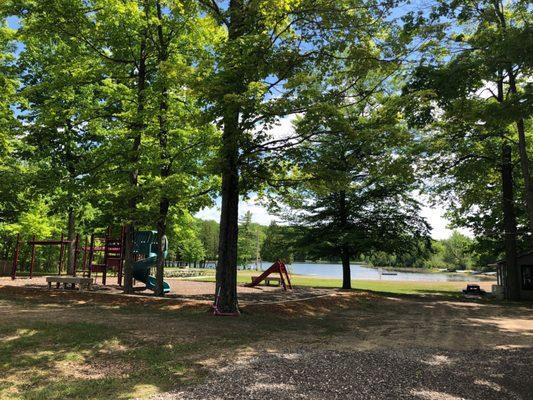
x=108, y=251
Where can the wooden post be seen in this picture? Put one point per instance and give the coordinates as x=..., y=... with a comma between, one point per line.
x=32, y=257
x=121, y=262
x=106, y=255
x=76, y=251
x=84, y=260
x=15, y=258
x=61, y=252
x=91, y=255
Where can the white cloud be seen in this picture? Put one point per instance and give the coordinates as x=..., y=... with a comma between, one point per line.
x=260, y=214
x=435, y=217
x=211, y=213
x=283, y=129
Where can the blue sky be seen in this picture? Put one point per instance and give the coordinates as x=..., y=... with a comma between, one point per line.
x=13, y=22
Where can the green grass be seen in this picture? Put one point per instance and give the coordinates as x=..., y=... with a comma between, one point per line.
x=392, y=287
x=36, y=358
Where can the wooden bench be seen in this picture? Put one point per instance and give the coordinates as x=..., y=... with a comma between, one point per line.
x=83, y=283
x=269, y=279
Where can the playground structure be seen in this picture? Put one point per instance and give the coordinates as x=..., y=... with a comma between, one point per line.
x=279, y=268
x=145, y=247
x=97, y=255
x=108, y=251
x=100, y=255
x=62, y=243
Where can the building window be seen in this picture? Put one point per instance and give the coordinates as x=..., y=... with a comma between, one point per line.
x=527, y=277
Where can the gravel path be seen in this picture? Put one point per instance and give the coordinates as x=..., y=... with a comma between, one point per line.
x=383, y=374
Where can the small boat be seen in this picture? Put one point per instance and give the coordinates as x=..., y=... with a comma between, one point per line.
x=389, y=273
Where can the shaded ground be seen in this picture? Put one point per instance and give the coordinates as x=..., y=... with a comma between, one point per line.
x=59, y=345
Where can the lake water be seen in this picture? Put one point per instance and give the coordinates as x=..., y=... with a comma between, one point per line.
x=366, y=273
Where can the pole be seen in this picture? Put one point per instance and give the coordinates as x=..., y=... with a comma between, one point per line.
x=91, y=255
x=84, y=260
x=61, y=251
x=76, y=252
x=15, y=258
x=32, y=257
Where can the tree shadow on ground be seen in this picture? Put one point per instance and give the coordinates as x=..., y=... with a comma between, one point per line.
x=47, y=360
x=379, y=374
x=87, y=346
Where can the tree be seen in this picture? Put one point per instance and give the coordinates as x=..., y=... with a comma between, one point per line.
x=208, y=233
x=247, y=245
x=60, y=112
x=272, y=52
x=457, y=251
x=278, y=243
x=158, y=143
x=8, y=87
x=185, y=142
x=472, y=140
x=501, y=43
x=355, y=193
x=184, y=236
x=12, y=173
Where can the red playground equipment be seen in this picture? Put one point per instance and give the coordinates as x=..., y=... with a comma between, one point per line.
x=278, y=267
x=96, y=255
x=110, y=253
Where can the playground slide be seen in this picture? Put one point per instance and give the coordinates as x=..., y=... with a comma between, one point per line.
x=141, y=272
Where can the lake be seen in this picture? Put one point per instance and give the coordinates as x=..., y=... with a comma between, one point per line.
x=366, y=273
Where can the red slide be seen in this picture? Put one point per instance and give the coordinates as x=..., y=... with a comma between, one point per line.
x=277, y=267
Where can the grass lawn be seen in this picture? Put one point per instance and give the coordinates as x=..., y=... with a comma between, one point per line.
x=383, y=286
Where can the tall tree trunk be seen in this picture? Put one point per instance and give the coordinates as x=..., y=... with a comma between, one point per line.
x=512, y=290
x=129, y=235
x=499, y=9
x=71, y=236
x=137, y=130
x=345, y=253
x=346, y=271
x=70, y=161
x=162, y=244
x=226, y=272
x=526, y=172
x=164, y=202
x=522, y=151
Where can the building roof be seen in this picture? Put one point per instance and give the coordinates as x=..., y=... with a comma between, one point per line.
x=524, y=254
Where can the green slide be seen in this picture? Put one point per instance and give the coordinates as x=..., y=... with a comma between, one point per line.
x=145, y=244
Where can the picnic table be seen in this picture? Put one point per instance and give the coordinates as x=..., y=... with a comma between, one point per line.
x=72, y=281
x=269, y=279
